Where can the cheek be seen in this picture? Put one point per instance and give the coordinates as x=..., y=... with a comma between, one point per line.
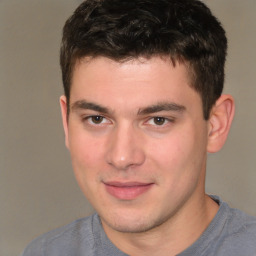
x=85, y=162
x=180, y=164
x=83, y=148
x=170, y=151
x=181, y=154
x=86, y=155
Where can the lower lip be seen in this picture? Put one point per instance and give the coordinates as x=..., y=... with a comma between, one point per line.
x=127, y=192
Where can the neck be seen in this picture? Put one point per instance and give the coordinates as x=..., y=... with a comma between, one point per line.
x=171, y=237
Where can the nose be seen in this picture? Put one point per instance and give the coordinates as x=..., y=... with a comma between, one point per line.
x=125, y=148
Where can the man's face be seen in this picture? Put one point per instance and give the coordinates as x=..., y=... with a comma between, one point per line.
x=137, y=140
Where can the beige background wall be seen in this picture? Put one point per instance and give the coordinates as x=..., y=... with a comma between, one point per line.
x=37, y=189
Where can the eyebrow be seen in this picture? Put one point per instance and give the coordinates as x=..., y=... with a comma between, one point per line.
x=82, y=104
x=164, y=106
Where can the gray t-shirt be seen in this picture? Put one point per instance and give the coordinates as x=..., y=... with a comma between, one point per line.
x=231, y=233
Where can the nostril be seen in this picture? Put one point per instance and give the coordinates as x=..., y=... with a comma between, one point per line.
x=135, y=158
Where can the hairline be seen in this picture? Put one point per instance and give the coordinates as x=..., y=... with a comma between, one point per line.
x=190, y=72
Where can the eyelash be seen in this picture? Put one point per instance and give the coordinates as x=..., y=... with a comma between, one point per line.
x=103, y=120
x=163, y=121
x=89, y=119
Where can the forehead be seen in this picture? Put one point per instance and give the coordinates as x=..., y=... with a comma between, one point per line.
x=131, y=83
x=141, y=68
x=164, y=62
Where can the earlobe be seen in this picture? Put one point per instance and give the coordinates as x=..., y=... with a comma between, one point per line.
x=220, y=121
x=63, y=106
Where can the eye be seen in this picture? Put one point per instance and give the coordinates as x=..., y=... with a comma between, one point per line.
x=96, y=120
x=158, y=121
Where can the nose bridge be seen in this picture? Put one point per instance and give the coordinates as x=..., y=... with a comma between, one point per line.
x=125, y=148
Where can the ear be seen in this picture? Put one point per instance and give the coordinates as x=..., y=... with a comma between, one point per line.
x=220, y=120
x=63, y=106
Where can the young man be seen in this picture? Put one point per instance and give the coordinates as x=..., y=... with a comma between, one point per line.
x=142, y=107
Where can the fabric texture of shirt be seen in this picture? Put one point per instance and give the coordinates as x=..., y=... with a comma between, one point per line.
x=231, y=233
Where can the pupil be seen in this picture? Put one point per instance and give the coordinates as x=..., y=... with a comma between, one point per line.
x=159, y=120
x=97, y=119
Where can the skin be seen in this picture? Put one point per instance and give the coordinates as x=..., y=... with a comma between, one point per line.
x=138, y=143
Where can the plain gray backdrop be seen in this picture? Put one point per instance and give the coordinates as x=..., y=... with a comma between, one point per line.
x=37, y=189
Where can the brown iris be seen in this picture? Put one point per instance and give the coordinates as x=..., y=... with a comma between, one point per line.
x=159, y=120
x=97, y=119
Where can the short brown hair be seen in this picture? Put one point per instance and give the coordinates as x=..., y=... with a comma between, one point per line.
x=184, y=30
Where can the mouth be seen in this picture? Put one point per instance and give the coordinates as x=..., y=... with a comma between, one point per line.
x=127, y=190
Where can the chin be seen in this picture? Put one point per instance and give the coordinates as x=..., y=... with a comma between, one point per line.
x=133, y=223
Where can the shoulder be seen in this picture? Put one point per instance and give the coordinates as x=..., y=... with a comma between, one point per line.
x=234, y=221
x=239, y=233
x=241, y=225
x=72, y=236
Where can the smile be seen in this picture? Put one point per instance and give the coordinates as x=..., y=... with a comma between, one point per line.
x=127, y=190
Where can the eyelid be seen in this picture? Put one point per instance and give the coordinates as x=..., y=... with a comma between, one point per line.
x=88, y=119
x=167, y=121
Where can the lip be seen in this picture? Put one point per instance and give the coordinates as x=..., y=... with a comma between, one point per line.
x=127, y=190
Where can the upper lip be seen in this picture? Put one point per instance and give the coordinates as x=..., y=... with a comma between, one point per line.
x=126, y=183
